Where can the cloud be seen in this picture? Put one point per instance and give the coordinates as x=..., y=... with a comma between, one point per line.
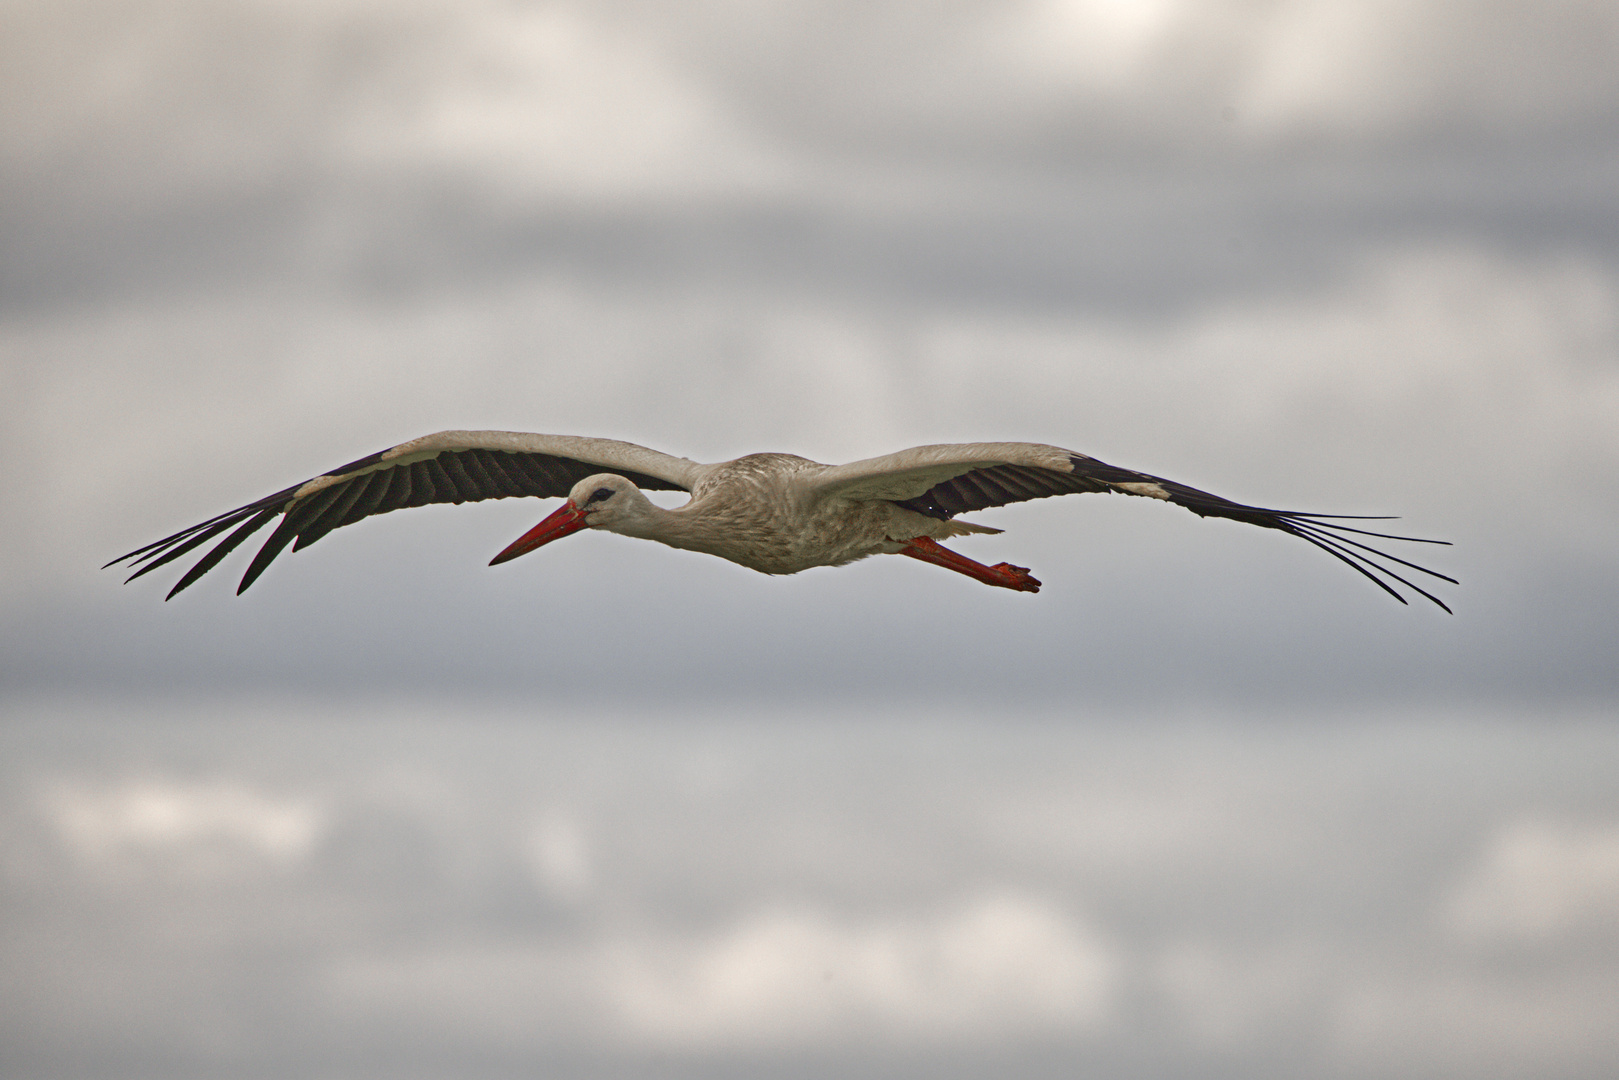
x=560, y=855
x=988, y=969
x=1539, y=882
x=992, y=969
x=487, y=889
x=1391, y=70
x=553, y=101
x=186, y=821
x=161, y=102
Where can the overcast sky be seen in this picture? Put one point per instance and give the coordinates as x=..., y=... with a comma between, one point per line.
x=1332, y=256
x=1354, y=258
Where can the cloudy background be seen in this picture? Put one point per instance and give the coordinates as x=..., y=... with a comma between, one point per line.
x=1209, y=805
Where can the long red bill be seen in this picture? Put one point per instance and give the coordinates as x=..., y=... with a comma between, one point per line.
x=566, y=520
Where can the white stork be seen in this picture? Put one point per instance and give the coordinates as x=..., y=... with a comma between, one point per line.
x=775, y=513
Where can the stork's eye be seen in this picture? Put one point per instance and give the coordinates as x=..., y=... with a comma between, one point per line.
x=599, y=494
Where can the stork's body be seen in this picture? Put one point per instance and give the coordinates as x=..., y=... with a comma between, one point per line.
x=757, y=511
x=761, y=511
x=775, y=513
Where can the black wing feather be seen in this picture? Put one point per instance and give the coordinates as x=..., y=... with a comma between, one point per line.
x=375, y=493
x=335, y=511
x=997, y=485
x=509, y=475
x=307, y=512
x=223, y=548
x=207, y=532
x=485, y=483
x=444, y=486
x=453, y=476
x=399, y=490
x=284, y=534
x=466, y=488
x=422, y=488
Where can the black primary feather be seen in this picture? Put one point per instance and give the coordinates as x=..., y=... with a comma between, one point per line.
x=997, y=485
x=452, y=476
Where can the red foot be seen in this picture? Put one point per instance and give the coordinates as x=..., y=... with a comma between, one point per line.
x=1016, y=577
x=1001, y=575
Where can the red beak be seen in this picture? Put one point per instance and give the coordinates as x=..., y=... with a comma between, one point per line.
x=566, y=520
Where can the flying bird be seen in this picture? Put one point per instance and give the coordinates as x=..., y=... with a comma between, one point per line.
x=775, y=513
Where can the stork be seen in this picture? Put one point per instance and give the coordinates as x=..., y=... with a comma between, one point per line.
x=775, y=513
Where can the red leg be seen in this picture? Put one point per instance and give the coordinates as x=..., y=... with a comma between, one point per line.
x=1003, y=575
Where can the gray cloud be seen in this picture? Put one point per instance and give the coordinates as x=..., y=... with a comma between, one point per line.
x=991, y=152
x=240, y=887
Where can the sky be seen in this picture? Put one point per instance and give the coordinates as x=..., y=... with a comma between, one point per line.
x=1346, y=258
x=1355, y=258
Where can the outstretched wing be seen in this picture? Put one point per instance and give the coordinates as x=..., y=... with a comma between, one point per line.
x=449, y=467
x=943, y=481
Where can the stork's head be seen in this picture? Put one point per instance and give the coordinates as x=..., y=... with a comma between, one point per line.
x=604, y=501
